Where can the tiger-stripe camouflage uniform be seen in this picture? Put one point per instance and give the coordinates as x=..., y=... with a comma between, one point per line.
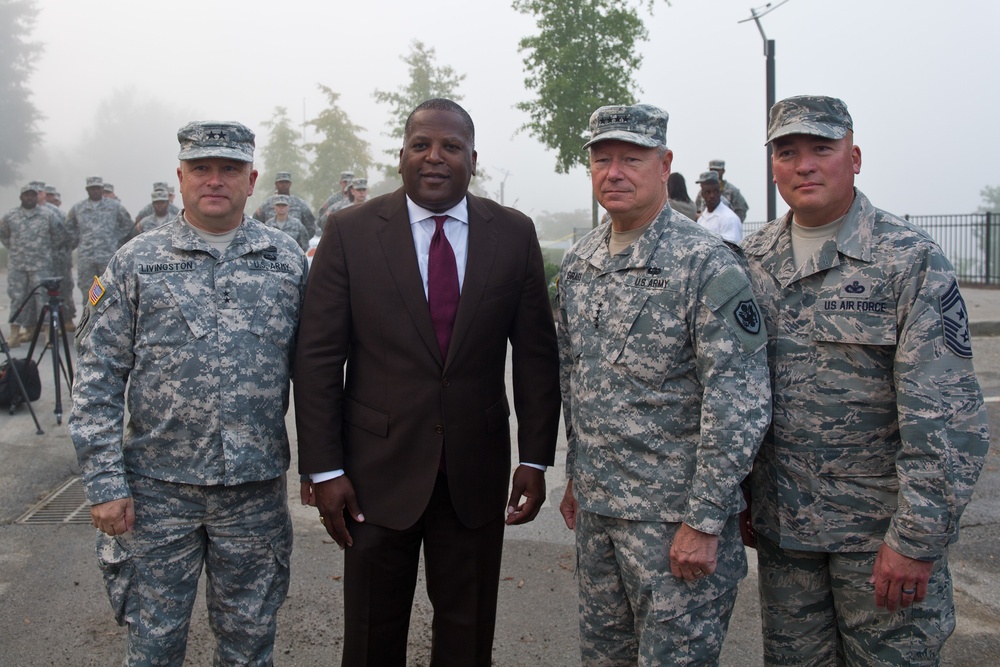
x=879, y=428
x=665, y=396
x=196, y=342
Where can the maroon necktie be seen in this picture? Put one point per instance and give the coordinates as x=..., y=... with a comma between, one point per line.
x=442, y=285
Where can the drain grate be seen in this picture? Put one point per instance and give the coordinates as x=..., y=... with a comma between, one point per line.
x=66, y=505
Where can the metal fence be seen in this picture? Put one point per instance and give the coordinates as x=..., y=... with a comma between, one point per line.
x=971, y=241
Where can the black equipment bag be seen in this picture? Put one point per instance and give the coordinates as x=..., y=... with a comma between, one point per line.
x=10, y=393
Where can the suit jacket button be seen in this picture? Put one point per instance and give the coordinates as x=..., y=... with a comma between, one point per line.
x=446, y=382
x=439, y=429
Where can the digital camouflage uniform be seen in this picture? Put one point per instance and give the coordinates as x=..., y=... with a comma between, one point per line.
x=100, y=226
x=879, y=432
x=62, y=255
x=150, y=222
x=203, y=341
x=665, y=397
x=294, y=228
x=297, y=208
x=33, y=237
x=149, y=210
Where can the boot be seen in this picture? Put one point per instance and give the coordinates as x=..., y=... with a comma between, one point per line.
x=15, y=335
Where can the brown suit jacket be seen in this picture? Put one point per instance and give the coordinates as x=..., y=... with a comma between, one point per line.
x=385, y=416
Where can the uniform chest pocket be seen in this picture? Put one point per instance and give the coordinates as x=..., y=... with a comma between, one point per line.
x=855, y=353
x=169, y=315
x=274, y=300
x=647, y=335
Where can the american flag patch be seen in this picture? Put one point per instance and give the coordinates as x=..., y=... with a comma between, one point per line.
x=96, y=291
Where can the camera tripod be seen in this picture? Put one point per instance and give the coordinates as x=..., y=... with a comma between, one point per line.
x=52, y=310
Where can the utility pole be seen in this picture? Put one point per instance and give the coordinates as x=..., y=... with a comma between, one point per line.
x=755, y=16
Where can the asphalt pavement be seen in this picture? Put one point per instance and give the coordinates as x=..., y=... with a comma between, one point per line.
x=53, y=609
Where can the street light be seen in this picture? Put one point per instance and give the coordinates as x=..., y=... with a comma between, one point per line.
x=755, y=15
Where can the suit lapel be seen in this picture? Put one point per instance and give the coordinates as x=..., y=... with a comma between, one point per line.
x=482, y=251
x=401, y=258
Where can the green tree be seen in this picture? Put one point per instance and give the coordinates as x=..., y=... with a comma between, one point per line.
x=426, y=81
x=340, y=149
x=584, y=56
x=18, y=114
x=282, y=152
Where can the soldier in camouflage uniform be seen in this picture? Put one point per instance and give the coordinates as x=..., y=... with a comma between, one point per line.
x=62, y=254
x=666, y=399
x=298, y=208
x=879, y=427
x=192, y=327
x=159, y=213
x=335, y=201
x=285, y=222
x=731, y=194
x=149, y=208
x=100, y=224
x=31, y=232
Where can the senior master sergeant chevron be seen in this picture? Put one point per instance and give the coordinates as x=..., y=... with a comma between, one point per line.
x=666, y=399
x=193, y=324
x=879, y=428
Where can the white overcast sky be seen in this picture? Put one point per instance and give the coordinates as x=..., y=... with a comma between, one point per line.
x=919, y=77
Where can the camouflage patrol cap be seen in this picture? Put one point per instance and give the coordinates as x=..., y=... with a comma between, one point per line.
x=213, y=138
x=160, y=195
x=95, y=182
x=346, y=175
x=30, y=187
x=39, y=186
x=283, y=176
x=360, y=184
x=107, y=187
x=161, y=185
x=282, y=200
x=640, y=124
x=717, y=164
x=170, y=189
x=50, y=190
x=708, y=177
x=817, y=115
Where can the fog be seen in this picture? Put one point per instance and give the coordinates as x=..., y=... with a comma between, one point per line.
x=117, y=79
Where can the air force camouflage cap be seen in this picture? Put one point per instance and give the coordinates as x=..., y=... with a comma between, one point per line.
x=283, y=176
x=213, y=138
x=817, y=115
x=640, y=124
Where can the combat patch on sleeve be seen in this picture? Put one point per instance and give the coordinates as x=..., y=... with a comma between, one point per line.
x=96, y=291
x=729, y=294
x=955, y=321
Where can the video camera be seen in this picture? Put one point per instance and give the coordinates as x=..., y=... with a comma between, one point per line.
x=52, y=284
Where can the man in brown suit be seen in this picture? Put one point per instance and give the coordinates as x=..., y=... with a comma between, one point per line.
x=403, y=432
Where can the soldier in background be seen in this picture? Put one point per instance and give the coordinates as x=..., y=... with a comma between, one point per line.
x=108, y=191
x=666, y=399
x=31, y=233
x=284, y=221
x=148, y=208
x=357, y=192
x=730, y=193
x=333, y=202
x=101, y=225
x=298, y=208
x=879, y=425
x=159, y=212
x=63, y=258
x=193, y=325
